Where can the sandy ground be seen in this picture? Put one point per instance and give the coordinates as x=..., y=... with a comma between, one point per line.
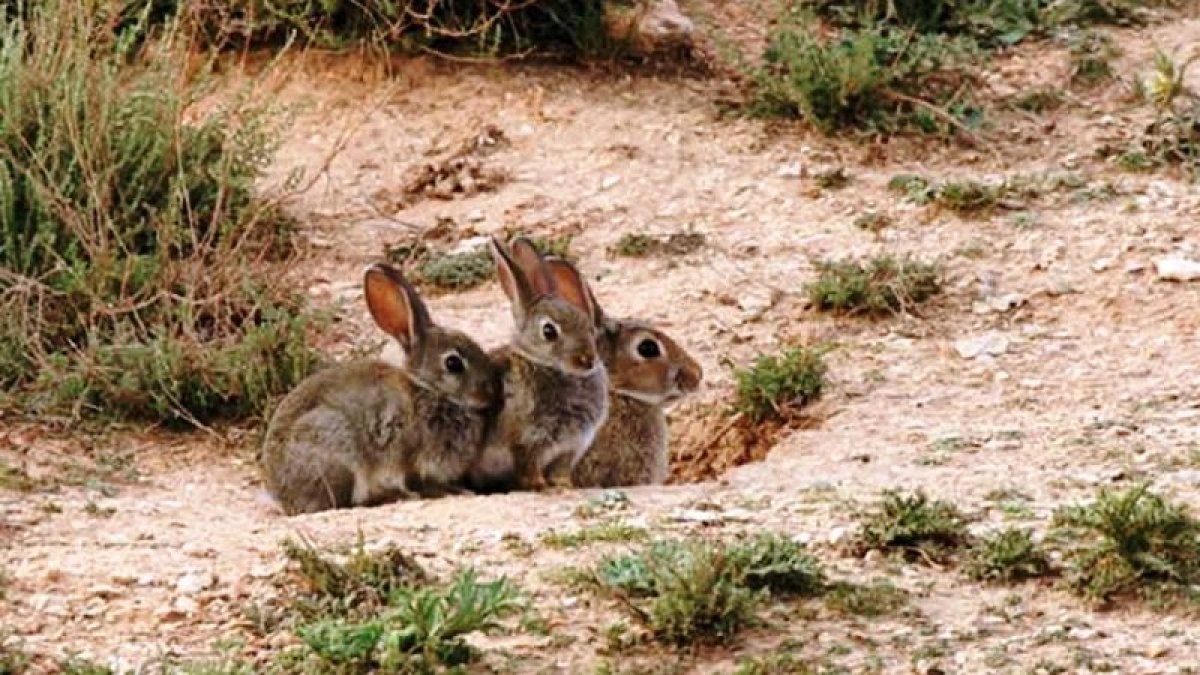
x=1095, y=385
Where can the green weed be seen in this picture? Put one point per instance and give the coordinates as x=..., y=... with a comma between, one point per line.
x=1091, y=55
x=689, y=592
x=878, y=598
x=1007, y=556
x=881, y=285
x=601, y=533
x=637, y=245
x=1130, y=542
x=357, y=585
x=913, y=525
x=775, y=387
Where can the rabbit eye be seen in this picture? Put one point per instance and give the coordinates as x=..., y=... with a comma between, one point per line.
x=455, y=364
x=549, y=331
x=649, y=349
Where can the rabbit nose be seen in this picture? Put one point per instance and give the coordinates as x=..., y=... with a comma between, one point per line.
x=585, y=361
x=687, y=379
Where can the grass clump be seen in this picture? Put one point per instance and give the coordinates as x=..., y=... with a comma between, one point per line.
x=1007, y=556
x=875, y=78
x=1173, y=138
x=638, y=245
x=140, y=271
x=456, y=271
x=1091, y=54
x=877, y=598
x=596, y=534
x=881, y=285
x=421, y=630
x=775, y=387
x=913, y=525
x=360, y=583
x=1040, y=99
x=381, y=612
x=1129, y=543
x=689, y=592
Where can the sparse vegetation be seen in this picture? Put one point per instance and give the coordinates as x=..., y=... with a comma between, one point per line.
x=882, y=285
x=917, y=527
x=775, y=387
x=876, y=598
x=1091, y=54
x=135, y=253
x=1040, y=99
x=638, y=245
x=1008, y=555
x=381, y=611
x=595, y=534
x=1173, y=139
x=1129, y=543
x=456, y=271
x=688, y=592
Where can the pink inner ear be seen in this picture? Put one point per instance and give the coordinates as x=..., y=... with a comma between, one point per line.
x=571, y=286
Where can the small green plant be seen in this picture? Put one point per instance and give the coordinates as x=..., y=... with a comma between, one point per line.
x=358, y=585
x=16, y=478
x=914, y=525
x=456, y=271
x=882, y=285
x=4, y=582
x=777, y=563
x=691, y=592
x=635, y=245
x=871, y=77
x=1091, y=55
x=697, y=591
x=832, y=178
x=600, y=533
x=967, y=196
x=775, y=387
x=877, y=598
x=1007, y=556
x=1130, y=542
x=1040, y=99
x=1173, y=138
x=783, y=660
x=420, y=631
x=872, y=221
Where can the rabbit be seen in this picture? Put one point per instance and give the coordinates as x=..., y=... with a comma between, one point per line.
x=647, y=371
x=366, y=432
x=555, y=386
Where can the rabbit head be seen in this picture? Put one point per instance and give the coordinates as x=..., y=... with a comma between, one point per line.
x=552, y=311
x=441, y=360
x=643, y=362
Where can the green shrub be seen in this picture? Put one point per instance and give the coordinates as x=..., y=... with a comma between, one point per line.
x=881, y=285
x=777, y=386
x=1006, y=556
x=869, y=78
x=689, y=592
x=913, y=525
x=357, y=585
x=877, y=598
x=421, y=630
x=1130, y=542
x=140, y=274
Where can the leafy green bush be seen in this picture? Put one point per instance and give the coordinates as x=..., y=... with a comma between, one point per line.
x=874, y=77
x=776, y=386
x=1006, y=556
x=914, y=525
x=1130, y=542
x=140, y=273
x=689, y=592
x=881, y=285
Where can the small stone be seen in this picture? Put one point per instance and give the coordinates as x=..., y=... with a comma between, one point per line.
x=990, y=344
x=190, y=584
x=476, y=216
x=105, y=592
x=793, y=170
x=1135, y=267
x=1102, y=264
x=1177, y=269
x=609, y=182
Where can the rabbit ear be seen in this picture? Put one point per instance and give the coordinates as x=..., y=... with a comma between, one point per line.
x=565, y=278
x=526, y=255
x=395, y=305
x=512, y=279
x=571, y=286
